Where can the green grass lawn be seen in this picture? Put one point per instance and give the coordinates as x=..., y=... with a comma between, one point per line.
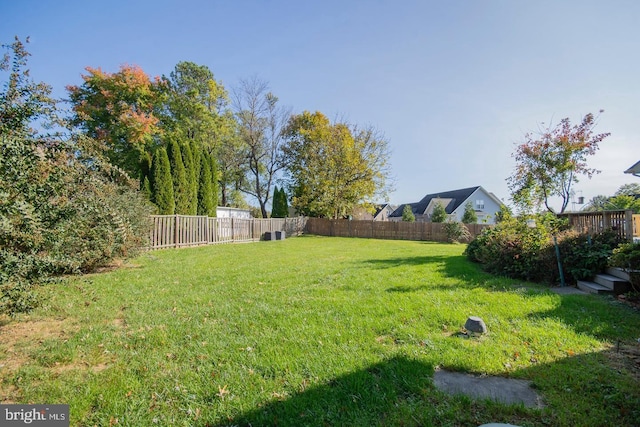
x=315, y=331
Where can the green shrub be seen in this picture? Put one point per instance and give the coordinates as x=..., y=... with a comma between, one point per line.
x=108, y=221
x=63, y=208
x=407, y=214
x=439, y=213
x=511, y=248
x=469, y=216
x=456, y=231
x=627, y=256
x=519, y=250
x=582, y=256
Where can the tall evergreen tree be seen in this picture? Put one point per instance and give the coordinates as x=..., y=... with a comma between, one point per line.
x=407, y=214
x=181, y=190
x=284, y=203
x=162, y=184
x=191, y=178
x=439, y=213
x=205, y=192
x=196, y=149
x=146, y=188
x=145, y=169
x=469, y=216
x=276, y=205
x=213, y=164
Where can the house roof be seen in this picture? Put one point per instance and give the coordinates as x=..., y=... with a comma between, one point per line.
x=634, y=170
x=453, y=199
x=381, y=207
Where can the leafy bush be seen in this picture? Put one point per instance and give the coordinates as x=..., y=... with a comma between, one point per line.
x=582, y=256
x=107, y=221
x=456, y=231
x=62, y=208
x=627, y=256
x=57, y=216
x=520, y=250
x=511, y=248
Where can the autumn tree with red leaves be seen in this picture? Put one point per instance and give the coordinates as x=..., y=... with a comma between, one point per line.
x=549, y=163
x=119, y=111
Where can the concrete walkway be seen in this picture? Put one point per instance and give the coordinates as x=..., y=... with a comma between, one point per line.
x=567, y=290
x=503, y=390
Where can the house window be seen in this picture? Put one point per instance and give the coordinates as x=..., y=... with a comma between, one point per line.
x=479, y=205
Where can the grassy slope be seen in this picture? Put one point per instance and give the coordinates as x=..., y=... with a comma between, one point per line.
x=317, y=331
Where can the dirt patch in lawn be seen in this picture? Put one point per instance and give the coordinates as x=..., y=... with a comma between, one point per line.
x=626, y=356
x=17, y=341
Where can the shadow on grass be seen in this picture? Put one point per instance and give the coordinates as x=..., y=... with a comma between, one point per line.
x=592, y=389
x=468, y=273
x=599, y=388
x=363, y=398
x=589, y=389
x=599, y=316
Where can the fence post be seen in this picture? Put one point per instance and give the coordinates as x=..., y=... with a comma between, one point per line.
x=628, y=223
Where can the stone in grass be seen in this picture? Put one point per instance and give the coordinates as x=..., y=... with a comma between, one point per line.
x=476, y=325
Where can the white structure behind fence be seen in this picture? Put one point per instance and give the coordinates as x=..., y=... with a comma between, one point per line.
x=178, y=231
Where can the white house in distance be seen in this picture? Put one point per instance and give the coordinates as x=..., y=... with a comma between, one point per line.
x=225, y=212
x=381, y=213
x=485, y=204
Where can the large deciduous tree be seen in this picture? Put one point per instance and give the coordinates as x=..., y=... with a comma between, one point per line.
x=119, y=110
x=628, y=190
x=261, y=121
x=549, y=162
x=333, y=167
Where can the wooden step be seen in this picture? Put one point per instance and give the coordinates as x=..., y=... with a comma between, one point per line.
x=616, y=284
x=593, y=288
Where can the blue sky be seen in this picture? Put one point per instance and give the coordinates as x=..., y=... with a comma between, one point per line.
x=453, y=85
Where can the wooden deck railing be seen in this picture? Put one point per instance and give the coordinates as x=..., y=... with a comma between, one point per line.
x=623, y=222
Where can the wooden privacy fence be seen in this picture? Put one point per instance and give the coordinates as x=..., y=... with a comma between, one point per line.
x=623, y=222
x=384, y=229
x=178, y=231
